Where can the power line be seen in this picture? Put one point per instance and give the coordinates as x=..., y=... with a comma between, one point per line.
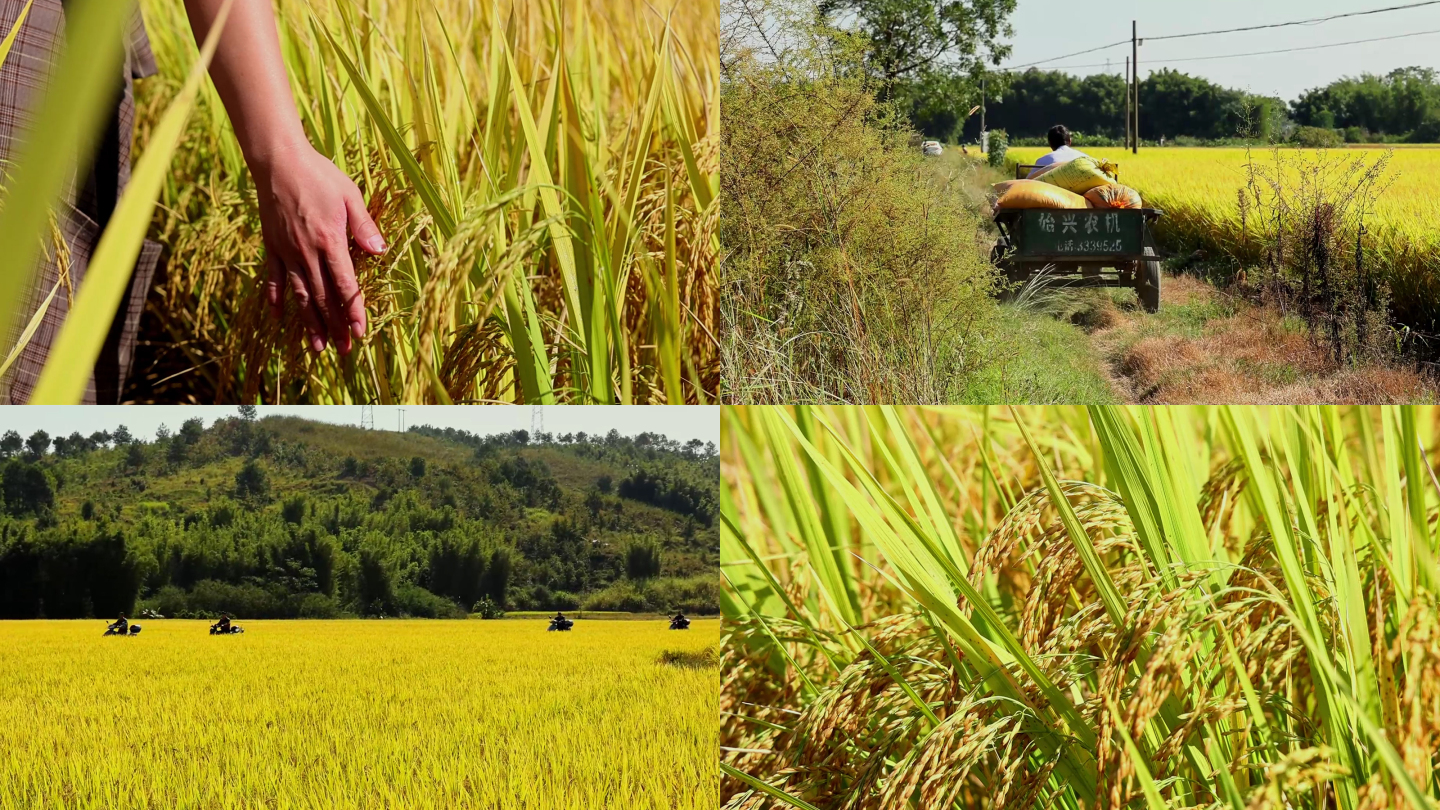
x=1263, y=53
x=1312, y=21
x=1068, y=55
x=1304, y=48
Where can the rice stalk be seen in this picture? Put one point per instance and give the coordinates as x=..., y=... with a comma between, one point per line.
x=1186, y=607
x=566, y=117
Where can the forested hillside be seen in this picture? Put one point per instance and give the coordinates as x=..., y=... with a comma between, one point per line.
x=284, y=517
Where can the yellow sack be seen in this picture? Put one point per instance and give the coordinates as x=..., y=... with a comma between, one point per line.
x=1113, y=195
x=1036, y=194
x=1079, y=175
x=1036, y=173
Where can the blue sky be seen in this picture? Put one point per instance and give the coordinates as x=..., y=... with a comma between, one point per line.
x=1046, y=28
x=683, y=423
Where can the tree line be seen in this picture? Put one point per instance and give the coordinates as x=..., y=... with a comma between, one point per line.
x=259, y=522
x=1173, y=105
x=931, y=59
x=1403, y=105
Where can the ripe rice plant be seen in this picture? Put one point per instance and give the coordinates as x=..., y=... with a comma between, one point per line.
x=1199, y=189
x=1067, y=608
x=544, y=171
x=351, y=714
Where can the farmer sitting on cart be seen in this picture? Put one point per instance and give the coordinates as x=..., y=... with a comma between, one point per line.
x=1061, y=150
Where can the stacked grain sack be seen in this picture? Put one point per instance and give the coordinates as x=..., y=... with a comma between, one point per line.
x=1079, y=183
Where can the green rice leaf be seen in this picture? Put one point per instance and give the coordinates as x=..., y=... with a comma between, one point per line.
x=66, y=123
x=67, y=370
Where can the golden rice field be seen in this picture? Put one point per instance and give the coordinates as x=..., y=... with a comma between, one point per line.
x=1197, y=188
x=349, y=714
x=545, y=173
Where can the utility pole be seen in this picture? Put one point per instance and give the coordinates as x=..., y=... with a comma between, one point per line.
x=1127, y=102
x=984, y=141
x=1135, y=77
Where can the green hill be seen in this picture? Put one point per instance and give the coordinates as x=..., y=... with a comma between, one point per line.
x=287, y=517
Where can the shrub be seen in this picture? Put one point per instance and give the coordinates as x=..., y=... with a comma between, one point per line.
x=293, y=510
x=1427, y=132
x=251, y=481
x=1317, y=138
x=171, y=601
x=854, y=271
x=1308, y=212
x=209, y=598
x=693, y=595
x=642, y=560
x=318, y=606
x=620, y=596
x=487, y=609
x=999, y=142
x=561, y=600
x=413, y=600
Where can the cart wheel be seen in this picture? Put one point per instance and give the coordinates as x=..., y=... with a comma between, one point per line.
x=1147, y=281
x=1014, y=277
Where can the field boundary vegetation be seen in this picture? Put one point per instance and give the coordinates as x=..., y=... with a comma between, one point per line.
x=853, y=271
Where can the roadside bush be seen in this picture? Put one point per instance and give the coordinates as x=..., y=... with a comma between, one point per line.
x=853, y=272
x=1302, y=219
x=999, y=143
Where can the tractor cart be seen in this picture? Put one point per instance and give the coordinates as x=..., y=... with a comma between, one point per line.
x=1092, y=247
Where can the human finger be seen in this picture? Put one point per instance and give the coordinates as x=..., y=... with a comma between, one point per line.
x=275, y=284
x=362, y=227
x=346, y=294
x=300, y=286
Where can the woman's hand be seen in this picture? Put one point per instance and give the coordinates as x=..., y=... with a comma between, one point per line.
x=307, y=205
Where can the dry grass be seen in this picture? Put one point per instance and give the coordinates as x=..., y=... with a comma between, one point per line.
x=1211, y=347
x=854, y=270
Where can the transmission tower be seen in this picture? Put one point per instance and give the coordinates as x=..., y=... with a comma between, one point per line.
x=400, y=420
x=537, y=422
x=367, y=417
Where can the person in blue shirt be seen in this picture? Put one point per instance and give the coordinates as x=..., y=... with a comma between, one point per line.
x=1061, y=150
